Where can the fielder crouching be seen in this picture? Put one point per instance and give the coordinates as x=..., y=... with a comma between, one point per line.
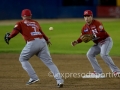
x=102, y=45
x=36, y=45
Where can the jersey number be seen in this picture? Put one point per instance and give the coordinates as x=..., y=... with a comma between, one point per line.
x=35, y=32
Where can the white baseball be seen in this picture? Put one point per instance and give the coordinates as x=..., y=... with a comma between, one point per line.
x=50, y=28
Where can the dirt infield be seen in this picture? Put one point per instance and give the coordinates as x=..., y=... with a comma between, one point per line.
x=13, y=77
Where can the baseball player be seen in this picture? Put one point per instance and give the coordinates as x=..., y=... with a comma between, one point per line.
x=102, y=45
x=36, y=44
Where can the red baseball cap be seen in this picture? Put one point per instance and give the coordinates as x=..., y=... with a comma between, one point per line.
x=26, y=12
x=88, y=12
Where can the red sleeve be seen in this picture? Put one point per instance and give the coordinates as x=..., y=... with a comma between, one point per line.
x=82, y=33
x=16, y=30
x=13, y=33
x=101, y=32
x=79, y=40
x=44, y=36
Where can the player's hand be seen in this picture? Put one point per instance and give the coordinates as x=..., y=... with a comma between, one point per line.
x=49, y=43
x=74, y=43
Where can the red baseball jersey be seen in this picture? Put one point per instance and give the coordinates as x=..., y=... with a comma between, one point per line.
x=96, y=28
x=29, y=28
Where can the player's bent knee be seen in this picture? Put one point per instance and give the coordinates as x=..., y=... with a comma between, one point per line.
x=104, y=55
x=89, y=55
x=22, y=59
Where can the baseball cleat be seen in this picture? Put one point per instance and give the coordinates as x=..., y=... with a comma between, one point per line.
x=32, y=81
x=94, y=75
x=60, y=85
x=117, y=74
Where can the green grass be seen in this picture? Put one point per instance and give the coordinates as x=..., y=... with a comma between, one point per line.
x=61, y=37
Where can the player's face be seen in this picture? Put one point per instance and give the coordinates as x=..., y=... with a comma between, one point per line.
x=88, y=19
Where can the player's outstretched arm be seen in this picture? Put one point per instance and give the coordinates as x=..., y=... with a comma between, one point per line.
x=8, y=36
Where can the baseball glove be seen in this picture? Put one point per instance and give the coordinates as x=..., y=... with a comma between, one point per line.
x=7, y=38
x=86, y=37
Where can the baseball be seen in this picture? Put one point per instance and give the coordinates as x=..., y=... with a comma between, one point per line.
x=50, y=28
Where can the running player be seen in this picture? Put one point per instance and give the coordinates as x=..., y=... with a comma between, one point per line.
x=103, y=44
x=36, y=44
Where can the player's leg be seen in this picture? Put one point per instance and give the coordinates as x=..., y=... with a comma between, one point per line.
x=45, y=56
x=92, y=52
x=25, y=55
x=105, y=49
x=91, y=55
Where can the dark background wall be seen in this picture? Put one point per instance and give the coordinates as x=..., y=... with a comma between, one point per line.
x=11, y=9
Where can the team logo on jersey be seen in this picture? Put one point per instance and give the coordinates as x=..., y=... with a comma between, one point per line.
x=86, y=30
x=101, y=27
x=15, y=26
